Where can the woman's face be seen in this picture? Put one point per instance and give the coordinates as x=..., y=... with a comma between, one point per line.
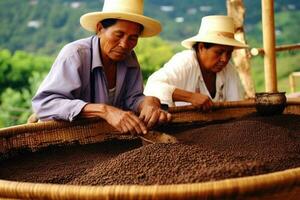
x=118, y=40
x=215, y=58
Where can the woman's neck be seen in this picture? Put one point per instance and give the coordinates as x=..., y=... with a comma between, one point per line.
x=209, y=78
x=207, y=72
x=110, y=70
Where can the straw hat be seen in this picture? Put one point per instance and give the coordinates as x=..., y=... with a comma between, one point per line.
x=215, y=29
x=131, y=10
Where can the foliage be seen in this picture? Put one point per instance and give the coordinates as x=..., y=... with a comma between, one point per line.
x=15, y=107
x=20, y=76
x=17, y=68
x=286, y=63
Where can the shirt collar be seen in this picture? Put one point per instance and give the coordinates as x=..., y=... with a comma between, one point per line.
x=96, y=61
x=220, y=80
x=130, y=61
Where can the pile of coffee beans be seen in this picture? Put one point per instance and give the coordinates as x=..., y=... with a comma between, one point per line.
x=247, y=146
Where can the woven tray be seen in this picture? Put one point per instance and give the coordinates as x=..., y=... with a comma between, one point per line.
x=278, y=185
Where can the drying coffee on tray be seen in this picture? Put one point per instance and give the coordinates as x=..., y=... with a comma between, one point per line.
x=248, y=146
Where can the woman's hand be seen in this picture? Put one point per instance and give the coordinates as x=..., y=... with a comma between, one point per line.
x=198, y=100
x=123, y=121
x=201, y=101
x=151, y=113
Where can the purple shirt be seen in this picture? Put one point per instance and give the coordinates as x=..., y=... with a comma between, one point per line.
x=67, y=87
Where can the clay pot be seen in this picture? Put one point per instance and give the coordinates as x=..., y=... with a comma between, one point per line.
x=270, y=103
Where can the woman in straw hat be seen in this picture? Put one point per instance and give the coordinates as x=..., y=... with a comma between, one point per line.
x=100, y=75
x=203, y=73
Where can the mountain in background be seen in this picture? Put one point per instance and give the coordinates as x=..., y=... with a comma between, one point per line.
x=44, y=26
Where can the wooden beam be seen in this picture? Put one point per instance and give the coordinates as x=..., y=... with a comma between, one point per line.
x=286, y=47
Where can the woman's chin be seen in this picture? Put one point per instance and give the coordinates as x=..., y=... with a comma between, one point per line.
x=118, y=57
x=218, y=69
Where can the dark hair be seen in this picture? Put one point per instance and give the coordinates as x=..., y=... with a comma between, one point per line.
x=206, y=45
x=108, y=22
x=111, y=21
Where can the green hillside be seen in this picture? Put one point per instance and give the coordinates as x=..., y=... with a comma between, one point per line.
x=44, y=26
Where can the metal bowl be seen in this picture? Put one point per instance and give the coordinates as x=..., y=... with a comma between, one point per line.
x=270, y=103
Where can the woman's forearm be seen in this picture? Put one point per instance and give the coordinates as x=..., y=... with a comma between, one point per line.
x=195, y=98
x=182, y=95
x=94, y=110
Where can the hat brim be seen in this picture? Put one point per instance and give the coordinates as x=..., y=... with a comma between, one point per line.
x=152, y=27
x=188, y=43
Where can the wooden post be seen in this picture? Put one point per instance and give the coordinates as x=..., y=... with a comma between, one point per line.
x=268, y=28
x=292, y=80
x=292, y=83
x=241, y=57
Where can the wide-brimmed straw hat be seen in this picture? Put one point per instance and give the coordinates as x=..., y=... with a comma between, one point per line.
x=215, y=29
x=131, y=10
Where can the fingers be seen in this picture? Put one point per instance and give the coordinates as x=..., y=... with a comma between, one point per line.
x=134, y=125
x=153, y=119
x=164, y=117
x=144, y=117
x=202, y=102
x=131, y=123
x=207, y=105
x=169, y=117
x=137, y=124
x=126, y=122
x=158, y=116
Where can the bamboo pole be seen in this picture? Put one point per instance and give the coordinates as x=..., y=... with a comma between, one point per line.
x=269, y=45
x=287, y=47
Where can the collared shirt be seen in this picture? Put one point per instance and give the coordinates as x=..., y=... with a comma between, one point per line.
x=183, y=71
x=67, y=87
